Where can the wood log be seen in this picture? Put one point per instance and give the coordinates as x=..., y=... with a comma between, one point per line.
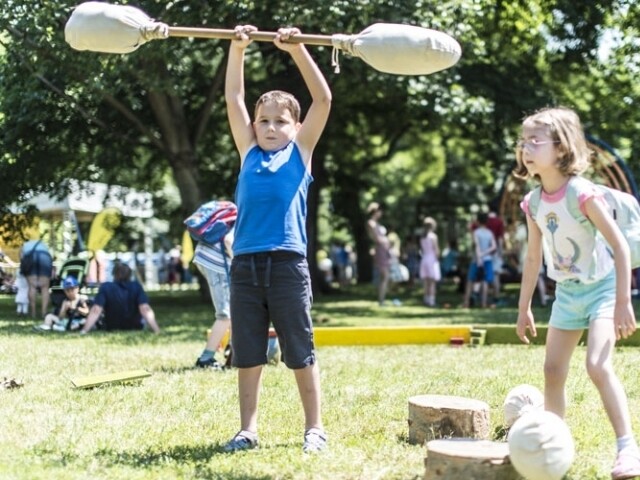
x=469, y=459
x=443, y=416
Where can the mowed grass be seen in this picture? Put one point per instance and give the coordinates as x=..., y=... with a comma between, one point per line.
x=174, y=423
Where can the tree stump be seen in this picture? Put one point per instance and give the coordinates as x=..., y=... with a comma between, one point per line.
x=442, y=416
x=469, y=459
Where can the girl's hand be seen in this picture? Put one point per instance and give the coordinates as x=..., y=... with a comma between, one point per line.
x=526, y=322
x=624, y=320
x=283, y=35
x=242, y=35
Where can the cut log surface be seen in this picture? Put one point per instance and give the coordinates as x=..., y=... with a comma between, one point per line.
x=468, y=459
x=442, y=416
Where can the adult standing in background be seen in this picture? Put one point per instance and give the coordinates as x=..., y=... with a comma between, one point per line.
x=430, y=263
x=37, y=267
x=382, y=256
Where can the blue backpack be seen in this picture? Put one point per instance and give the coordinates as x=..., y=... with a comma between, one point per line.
x=623, y=207
x=212, y=221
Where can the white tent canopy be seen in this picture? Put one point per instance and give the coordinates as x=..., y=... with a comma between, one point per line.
x=93, y=197
x=85, y=200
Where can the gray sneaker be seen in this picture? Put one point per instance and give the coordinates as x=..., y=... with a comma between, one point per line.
x=242, y=440
x=315, y=440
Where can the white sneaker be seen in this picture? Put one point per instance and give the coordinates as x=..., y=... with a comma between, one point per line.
x=42, y=328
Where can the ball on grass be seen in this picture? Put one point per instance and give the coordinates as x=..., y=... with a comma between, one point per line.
x=541, y=446
x=520, y=400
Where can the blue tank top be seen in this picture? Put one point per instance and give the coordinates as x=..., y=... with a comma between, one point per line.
x=271, y=195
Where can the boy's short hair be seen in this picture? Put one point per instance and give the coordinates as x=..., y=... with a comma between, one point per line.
x=482, y=218
x=282, y=99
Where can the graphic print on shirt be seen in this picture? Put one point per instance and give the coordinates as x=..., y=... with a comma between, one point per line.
x=562, y=263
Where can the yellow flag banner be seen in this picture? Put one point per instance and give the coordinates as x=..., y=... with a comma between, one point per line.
x=187, y=248
x=102, y=228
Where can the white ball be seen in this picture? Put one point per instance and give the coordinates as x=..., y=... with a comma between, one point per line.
x=541, y=446
x=520, y=400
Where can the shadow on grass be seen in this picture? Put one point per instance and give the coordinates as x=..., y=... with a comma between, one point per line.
x=198, y=455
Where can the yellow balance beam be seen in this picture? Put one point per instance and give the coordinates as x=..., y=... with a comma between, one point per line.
x=401, y=335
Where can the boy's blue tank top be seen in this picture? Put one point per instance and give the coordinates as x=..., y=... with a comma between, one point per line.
x=272, y=202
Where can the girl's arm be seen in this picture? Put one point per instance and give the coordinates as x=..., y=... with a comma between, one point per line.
x=530, y=272
x=624, y=316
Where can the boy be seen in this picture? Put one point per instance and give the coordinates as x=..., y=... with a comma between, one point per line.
x=269, y=274
x=73, y=310
x=484, y=247
x=213, y=261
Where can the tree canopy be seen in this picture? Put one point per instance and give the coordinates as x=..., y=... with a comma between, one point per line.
x=428, y=145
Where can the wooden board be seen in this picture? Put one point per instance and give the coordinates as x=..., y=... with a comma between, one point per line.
x=95, y=380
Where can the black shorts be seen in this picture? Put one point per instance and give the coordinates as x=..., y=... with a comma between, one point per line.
x=273, y=287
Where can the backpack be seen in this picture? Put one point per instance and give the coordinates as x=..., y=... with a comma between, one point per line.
x=623, y=207
x=212, y=221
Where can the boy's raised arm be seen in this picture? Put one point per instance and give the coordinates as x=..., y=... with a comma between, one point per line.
x=316, y=118
x=239, y=119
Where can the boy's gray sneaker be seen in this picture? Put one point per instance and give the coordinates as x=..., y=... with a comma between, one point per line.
x=315, y=440
x=242, y=440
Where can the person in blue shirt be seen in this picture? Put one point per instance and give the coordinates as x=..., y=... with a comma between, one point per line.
x=270, y=281
x=124, y=303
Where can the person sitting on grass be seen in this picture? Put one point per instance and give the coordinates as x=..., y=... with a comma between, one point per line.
x=124, y=303
x=73, y=311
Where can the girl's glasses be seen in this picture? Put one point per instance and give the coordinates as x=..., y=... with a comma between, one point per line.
x=533, y=144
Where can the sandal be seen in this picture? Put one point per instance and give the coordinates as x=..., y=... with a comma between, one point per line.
x=243, y=440
x=315, y=440
x=627, y=466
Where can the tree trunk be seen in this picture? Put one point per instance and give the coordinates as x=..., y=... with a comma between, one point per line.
x=170, y=116
x=458, y=458
x=441, y=416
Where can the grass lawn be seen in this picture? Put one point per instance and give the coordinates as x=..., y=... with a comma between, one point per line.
x=173, y=424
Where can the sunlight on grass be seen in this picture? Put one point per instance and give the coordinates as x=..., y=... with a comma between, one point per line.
x=172, y=424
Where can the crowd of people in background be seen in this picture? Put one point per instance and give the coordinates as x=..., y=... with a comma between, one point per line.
x=421, y=260
x=493, y=255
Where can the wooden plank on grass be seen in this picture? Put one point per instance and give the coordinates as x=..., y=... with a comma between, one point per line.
x=95, y=380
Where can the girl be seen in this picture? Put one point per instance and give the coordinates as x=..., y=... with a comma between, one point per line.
x=429, y=264
x=593, y=285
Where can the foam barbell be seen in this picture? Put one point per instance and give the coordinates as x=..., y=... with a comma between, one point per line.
x=388, y=47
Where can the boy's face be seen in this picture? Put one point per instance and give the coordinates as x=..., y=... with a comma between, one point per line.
x=274, y=126
x=71, y=293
